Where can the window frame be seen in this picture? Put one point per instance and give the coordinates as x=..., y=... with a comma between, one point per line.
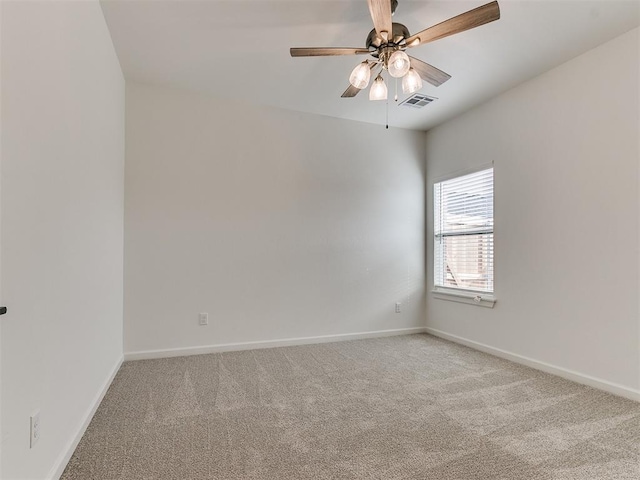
x=462, y=295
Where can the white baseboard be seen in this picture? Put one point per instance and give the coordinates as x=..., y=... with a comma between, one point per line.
x=588, y=380
x=63, y=460
x=286, y=342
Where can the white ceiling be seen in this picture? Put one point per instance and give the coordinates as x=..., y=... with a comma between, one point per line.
x=240, y=49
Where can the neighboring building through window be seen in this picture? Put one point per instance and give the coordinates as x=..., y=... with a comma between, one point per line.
x=463, y=232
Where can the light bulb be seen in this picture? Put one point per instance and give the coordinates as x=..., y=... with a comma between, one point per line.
x=411, y=82
x=378, y=90
x=360, y=76
x=399, y=64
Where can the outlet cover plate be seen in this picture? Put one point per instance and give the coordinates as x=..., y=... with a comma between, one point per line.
x=34, y=428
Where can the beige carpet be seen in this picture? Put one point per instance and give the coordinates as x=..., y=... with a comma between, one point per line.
x=411, y=407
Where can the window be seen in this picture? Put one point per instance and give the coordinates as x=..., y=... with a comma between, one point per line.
x=463, y=234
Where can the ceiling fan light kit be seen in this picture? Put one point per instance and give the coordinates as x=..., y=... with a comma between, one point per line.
x=387, y=43
x=411, y=82
x=378, y=90
x=361, y=75
x=398, y=64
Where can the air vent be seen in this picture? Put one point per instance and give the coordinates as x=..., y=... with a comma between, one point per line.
x=417, y=100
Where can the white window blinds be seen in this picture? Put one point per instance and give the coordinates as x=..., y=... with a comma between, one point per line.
x=463, y=229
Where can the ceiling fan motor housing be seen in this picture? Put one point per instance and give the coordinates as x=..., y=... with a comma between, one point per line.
x=376, y=44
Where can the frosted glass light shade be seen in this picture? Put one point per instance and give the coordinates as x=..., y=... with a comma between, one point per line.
x=360, y=76
x=399, y=64
x=378, y=90
x=411, y=82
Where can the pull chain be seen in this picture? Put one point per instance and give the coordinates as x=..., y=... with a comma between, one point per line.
x=387, y=123
x=395, y=99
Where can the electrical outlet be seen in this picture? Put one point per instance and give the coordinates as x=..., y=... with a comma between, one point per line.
x=398, y=309
x=34, y=429
x=203, y=319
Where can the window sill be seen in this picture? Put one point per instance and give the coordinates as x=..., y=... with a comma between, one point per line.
x=462, y=296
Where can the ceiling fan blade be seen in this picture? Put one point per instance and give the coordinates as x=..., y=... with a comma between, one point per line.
x=351, y=91
x=429, y=73
x=326, y=52
x=381, y=16
x=465, y=21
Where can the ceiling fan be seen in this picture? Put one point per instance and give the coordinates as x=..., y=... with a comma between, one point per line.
x=387, y=43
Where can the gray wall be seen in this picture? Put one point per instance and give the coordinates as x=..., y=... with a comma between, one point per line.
x=565, y=150
x=62, y=225
x=278, y=224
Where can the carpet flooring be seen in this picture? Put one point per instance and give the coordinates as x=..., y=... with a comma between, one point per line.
x=410, y=407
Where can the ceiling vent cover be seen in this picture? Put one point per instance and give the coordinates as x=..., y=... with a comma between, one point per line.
x=417, y=100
